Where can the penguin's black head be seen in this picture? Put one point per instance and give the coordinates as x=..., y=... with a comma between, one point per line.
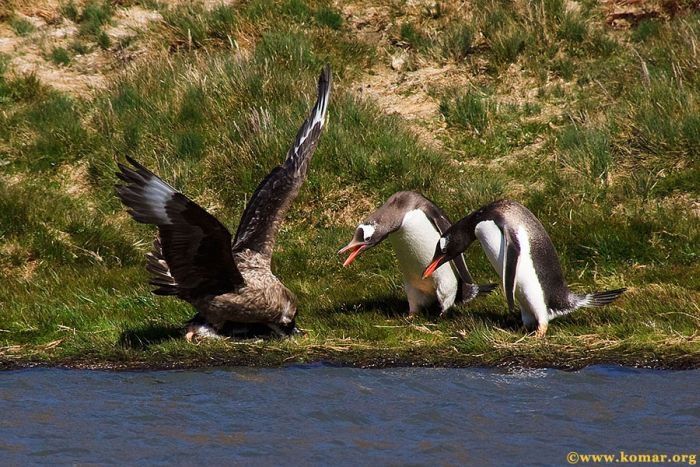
x=367, y=235
x=448, y=247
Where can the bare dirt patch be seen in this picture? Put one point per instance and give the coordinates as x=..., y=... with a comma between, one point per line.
x=411, y=84
x=89, y=69
x=130, y=21
x=406, y=94
x=390, y=85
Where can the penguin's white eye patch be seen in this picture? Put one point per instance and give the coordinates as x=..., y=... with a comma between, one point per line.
x=367, y=230
x=443, y=244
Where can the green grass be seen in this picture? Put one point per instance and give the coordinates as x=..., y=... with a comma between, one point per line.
x=458, y=41
x=91, y=19
x=103, y=40
x=193, y=25
x=70, y=10
x=21, y=26
x=555, y=114
x=60, y=56
x=413, y=36
x=94, y=16
x=586, y=151
x=468, y=110
x=79, y=47
x=329, y=17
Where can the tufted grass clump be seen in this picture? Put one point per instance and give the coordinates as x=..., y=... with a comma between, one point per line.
x=587, y=151
x=413, y=36
x=21, y=26
x=459, y=41
x=469, y=110
x=329, y=17
x=93, y=17
x=194, y=25
x=60, y=56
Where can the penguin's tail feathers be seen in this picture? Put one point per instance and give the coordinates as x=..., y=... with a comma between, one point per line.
x=592, y=299
x=599, y=298
x=471, y=291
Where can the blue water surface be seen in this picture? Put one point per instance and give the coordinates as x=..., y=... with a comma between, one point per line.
x=321, y=415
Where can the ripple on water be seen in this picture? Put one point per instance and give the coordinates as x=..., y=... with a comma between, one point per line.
x=318, y=414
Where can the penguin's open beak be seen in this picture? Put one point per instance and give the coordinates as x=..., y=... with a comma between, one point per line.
x=437, y=262
x=355, y=248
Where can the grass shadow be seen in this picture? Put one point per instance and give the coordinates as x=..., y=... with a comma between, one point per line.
x=486, y=316
x=396, y=307
x=391, y=306
x=142, y=338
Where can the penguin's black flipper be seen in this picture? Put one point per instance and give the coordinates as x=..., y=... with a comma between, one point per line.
x=468, y=290
x=510, y=266
x=462, y=270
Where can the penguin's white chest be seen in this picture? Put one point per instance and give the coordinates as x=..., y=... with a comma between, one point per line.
x=414, y=243
x=528, y=290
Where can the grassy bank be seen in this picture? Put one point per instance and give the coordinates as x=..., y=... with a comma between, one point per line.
x=591, y=123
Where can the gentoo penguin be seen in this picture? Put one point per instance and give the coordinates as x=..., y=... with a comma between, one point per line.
x=194, y=257
x=522, y=253
x=413, y=224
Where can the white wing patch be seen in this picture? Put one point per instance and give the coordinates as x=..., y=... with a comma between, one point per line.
x=157, y=193
x=320, y=114
x=319, y=118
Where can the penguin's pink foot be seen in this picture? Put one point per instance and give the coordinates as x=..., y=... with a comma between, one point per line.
x=541, y=331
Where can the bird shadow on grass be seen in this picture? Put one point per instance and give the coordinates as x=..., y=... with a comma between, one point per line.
x=488, y=317
x=396, y=307
x=390, y=306
x=144, y=337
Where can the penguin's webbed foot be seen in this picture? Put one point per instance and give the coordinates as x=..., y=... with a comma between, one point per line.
x=541, y=330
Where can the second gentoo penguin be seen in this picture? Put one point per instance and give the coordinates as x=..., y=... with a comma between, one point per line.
x=521, y=252
x=228, y=280
x=413, y=224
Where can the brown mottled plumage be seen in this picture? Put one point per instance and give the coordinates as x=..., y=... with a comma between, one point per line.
x=194, y=257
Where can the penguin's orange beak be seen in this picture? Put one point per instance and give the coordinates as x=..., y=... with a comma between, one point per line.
x=437, y=262
x=355, y=248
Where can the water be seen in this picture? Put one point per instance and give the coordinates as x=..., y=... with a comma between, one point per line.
x=343, y=416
